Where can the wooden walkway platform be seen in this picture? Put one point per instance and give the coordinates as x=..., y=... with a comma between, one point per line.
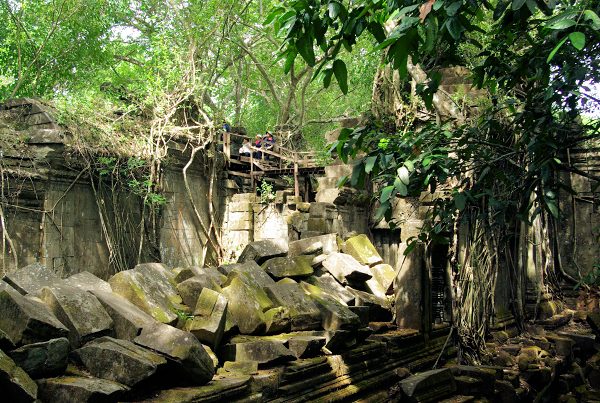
x=273, y=163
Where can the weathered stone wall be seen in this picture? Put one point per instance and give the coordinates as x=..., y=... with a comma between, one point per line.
x=579, y=225
x=52, y=212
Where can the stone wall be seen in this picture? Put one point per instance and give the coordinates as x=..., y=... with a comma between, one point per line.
x=51, y=211
x=247, y=219
x=578, y=229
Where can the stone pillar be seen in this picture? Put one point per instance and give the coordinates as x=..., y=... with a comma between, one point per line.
x=408, y=285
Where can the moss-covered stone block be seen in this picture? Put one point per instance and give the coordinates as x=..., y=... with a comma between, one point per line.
x=361, y=248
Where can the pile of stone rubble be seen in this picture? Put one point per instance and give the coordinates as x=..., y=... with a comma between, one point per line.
x=153, y=328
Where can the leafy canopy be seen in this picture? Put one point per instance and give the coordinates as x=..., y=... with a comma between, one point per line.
x=535, y=60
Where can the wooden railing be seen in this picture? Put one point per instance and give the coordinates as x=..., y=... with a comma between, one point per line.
x=274, y=158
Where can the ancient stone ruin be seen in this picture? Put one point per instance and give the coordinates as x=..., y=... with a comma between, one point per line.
x=316, y=302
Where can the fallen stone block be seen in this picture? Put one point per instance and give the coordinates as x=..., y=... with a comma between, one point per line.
x=250, y=272
x=384, y=274
x=6, y=344
x=189, y=272
x=128, y=319
x=79, y=389
x=297, y=266
x=26, y=321
x=261, y=251
x=325, y=244
x=80, y=311
x=88, y=282
x=380, y=306
x=277, y=320
x=363, y=314
x=304, y=313
x=31, y=278
x=190, y=289
x=361, y=248
x=322, y=210
x=593, y=319
x=241, y=367
x=261, y=351
x=15, y=384
x=44, y=359
x=149, y=287
x=183, y=273
x=118, y=360
x=306, y=346
x=563, y=346
x=245, y=304
x=339, y=341
x=584, y=343
x=208, y=323
x=317, y=261
x=375, y=288
x=346, y=269
x=4, y=286
x=255, y=277
x=428, y=386
x=212, y=356
x=221, y=389
x=332, y=287
x=334, y=315
x=188, y=357
x=488, y=376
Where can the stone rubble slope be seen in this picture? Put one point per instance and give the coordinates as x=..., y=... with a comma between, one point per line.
x=156, y=328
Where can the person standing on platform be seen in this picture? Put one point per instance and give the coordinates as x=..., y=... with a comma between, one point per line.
x=257, y=144
x=245, y=149
x=268, y=143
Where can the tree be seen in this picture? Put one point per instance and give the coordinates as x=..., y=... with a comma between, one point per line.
x=535, y=62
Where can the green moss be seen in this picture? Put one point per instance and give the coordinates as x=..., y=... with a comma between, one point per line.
x=159, y=315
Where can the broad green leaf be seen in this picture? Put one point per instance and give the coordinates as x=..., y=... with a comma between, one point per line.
x=341, y=75
x=517, y=4
x=431, y=29
x=454, y=28
x=589, y=15
x=377, y=31
x=327, y=74
x=400, y=187
x=577, y=40
x=370, y=163
x=380, y=213
x=272, y=15
x=305, y=48
x=289, y=61
x=404, y=175
x=532, y=6
x=342, y=181
x=453, y=8
x=562, y=24
x=551, y=55
x=386, y=193
x=551, y=204
x=409, y=164
x=334, y=9
x=358, y=175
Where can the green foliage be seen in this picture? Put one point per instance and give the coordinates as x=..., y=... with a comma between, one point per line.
x=590, y=279
x=266, y=192
x=133, y=174
x=183, y=316
x=533, y=59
